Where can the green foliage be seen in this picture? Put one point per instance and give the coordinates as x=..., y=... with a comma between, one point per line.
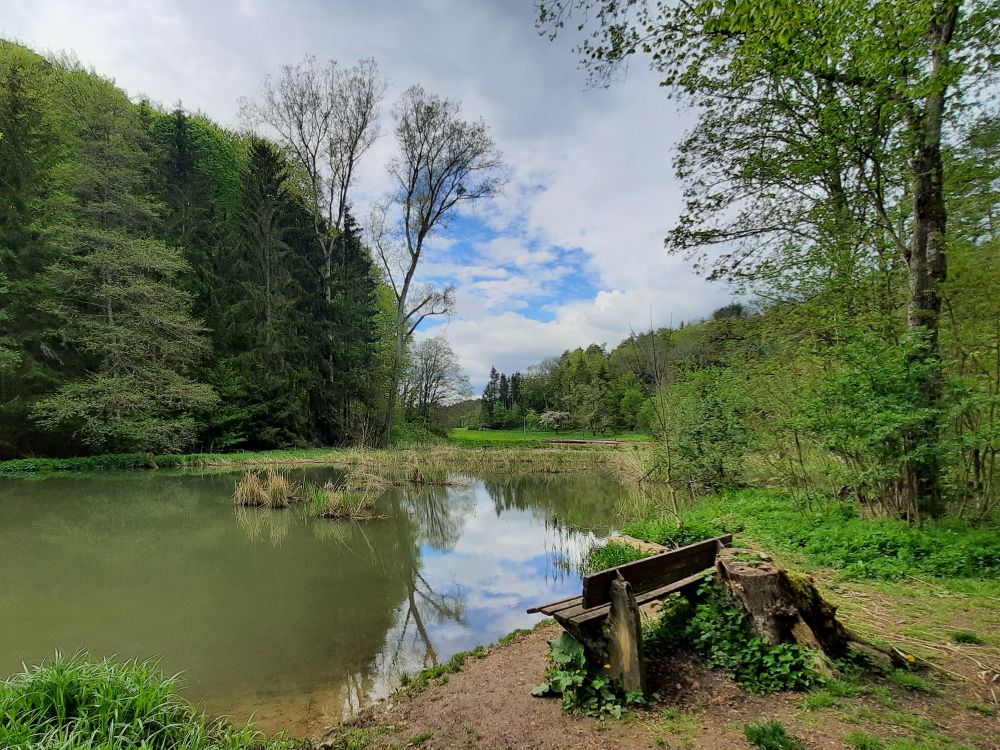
x=664, y=635
x=770, y=735
x=667, y=532
x=866, y=408
x=834, y=535
x=719, y=631
x=76, y=703
x=610, y=555
x=585, y=689
x=163, y=283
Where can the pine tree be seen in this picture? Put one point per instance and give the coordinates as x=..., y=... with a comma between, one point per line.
x=116, y=291
x=491, y=394
x=351, y=322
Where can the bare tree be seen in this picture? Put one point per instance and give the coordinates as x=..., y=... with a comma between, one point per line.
x=434, y=377
x=326, y=117
x=443, y=161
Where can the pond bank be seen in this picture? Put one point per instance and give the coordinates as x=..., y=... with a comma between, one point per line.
x=488, y=704
x=526, y=458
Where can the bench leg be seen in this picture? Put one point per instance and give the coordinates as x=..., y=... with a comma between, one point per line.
x=623, y=633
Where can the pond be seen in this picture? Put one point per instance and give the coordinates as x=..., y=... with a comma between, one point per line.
x=274, y=615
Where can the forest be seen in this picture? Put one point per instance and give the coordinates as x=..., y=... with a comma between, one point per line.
x=168, y=284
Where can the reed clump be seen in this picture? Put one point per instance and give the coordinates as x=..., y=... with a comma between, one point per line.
x=354, y=498
x=265, y=489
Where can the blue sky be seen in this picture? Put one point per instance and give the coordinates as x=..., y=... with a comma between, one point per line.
x=570, y=254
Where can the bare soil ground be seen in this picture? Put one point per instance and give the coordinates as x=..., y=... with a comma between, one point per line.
x=488, y=705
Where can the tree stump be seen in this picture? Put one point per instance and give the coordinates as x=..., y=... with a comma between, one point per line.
x=783, y=607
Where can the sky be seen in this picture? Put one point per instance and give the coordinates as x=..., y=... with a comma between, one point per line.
x=570, y=254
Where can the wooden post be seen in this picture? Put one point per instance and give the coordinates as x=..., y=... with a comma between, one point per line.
x=623, y=631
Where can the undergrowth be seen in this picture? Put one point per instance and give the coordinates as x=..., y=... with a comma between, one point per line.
x=583, y=687
x=77, y=704
x=716, y=628
x=833, y=534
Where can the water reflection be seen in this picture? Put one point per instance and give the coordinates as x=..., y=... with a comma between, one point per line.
x=292, y=619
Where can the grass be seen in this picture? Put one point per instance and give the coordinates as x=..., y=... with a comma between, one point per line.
x=863, y=741
x=427, y=464
x=76, y=704
x=355, y=498
x=265, y=489
x=464, y=436
x=770, y=735
x=609, y=555
x=833, y=535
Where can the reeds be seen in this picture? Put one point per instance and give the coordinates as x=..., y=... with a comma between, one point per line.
x=265, y=489
x=354, y=498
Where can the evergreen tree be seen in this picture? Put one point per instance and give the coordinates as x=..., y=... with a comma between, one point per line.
x=351, y=321
x=491, y=394
x=115, y=290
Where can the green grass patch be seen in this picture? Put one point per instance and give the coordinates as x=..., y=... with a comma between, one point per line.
x=419, y=739
x=770, y=735
x=78, y=703
x=833, y=535
x=964, y=636
x=610, y=555
x=911, y=681
x=356, y=738
x=982, y=708
x=864, y=741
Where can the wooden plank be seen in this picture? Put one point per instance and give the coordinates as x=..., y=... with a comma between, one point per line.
x=583, y=616
x=653, y=572
x=554, y=607
x=550, y=605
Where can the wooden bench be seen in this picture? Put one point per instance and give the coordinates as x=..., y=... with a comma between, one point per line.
x=605, y=618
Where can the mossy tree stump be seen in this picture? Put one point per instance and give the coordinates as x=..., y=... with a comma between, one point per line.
x=783, y=607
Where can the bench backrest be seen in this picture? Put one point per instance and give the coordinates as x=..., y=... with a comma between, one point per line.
x=653, y=572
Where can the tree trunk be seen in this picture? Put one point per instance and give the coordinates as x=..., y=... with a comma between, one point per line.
x=927, y=265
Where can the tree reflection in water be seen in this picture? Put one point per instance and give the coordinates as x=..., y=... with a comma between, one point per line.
x=448, y=568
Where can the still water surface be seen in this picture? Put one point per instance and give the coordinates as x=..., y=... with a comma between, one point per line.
x=272, y=614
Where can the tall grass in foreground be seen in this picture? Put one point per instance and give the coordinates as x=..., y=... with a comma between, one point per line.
x=72, y=703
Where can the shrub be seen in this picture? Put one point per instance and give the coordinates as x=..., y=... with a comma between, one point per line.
x=584, y=689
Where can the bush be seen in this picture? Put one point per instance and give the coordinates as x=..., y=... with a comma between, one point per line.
x=79, y=704
x=718, y=630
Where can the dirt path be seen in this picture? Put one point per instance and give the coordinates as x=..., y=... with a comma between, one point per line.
x=488, y=705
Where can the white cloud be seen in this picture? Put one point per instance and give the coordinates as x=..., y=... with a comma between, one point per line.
x=590, y=169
